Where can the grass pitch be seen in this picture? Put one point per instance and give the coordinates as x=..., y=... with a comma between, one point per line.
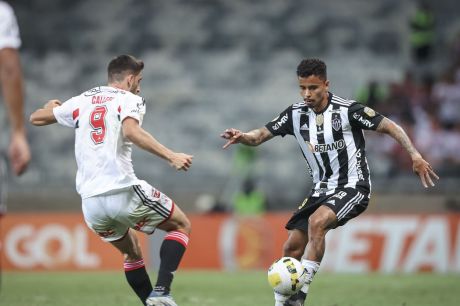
x=203, y=288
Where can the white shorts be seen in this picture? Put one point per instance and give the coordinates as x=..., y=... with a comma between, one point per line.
x=140, y=207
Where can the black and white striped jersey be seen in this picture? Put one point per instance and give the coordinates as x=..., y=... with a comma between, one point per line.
x=332, y=142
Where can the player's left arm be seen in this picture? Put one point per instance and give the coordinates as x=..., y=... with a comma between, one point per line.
x=419, y=165
x=45, y=115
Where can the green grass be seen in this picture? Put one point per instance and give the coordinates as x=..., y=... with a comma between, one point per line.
x=229, y=289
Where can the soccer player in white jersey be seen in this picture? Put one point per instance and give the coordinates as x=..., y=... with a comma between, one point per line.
x=11, y=84
x=107, y=121
x=328, y=130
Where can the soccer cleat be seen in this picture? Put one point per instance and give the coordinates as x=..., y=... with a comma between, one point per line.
x=160, y=299
x=297, y=299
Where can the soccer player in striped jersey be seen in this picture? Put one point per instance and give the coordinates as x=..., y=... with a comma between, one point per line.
x=329, y=132
x=107, y=121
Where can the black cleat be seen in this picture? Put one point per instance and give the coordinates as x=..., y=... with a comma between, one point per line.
x=297, y=299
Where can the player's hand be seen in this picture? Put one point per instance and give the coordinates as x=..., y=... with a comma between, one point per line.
x=52, y=103
x=19, y=153
x=232, y=135
x=424, y=171
x=181, y=161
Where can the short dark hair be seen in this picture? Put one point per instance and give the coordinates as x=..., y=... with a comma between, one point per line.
x=312, y=66
x=122, y=65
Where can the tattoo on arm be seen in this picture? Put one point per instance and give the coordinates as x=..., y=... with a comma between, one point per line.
x=256, y=137
x=387, y=126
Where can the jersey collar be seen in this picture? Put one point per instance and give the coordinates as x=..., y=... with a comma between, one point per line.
x=329, y=99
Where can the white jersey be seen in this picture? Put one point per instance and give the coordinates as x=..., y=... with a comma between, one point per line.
x=103, y=155
x=9, y=30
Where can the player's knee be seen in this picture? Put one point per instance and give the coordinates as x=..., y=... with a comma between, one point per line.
x=132, y=255
x=183, y=225
x=317, y=225
x=186, y=226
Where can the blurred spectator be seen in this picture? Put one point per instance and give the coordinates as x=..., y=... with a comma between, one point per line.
x=244, y=160
x=372, y=94
x=446, y=94
x=455, y=49
x=243, y=165
x=422, y=94
x=398, y=103
x=422, y=37
x=249, y=201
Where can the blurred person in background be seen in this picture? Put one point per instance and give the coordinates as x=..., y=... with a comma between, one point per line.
x=329, y=131
x=422, y=37
x=107, y=120
x=249, y=201
x=446, y=95
x=372, y=94
x=12, y=88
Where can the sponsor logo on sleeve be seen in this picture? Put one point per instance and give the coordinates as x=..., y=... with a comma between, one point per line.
x=365, y=122
x=280, y=122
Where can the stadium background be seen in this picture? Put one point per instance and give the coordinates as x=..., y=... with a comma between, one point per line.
x=211, y=65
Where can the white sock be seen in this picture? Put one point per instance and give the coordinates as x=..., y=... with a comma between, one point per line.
x=311, y=267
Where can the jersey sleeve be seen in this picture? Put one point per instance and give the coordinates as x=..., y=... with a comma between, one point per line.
x=9, y=30
x=67, y=113
x=363, y=117
x=282, y=125
x=134, y=107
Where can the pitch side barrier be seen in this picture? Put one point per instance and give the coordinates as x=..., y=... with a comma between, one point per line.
x=385, y=243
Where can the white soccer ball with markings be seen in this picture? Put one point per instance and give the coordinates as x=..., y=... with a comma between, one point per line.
x=287, y=275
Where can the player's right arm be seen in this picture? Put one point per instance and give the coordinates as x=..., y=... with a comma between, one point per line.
x=251, y=138
x=281, y=125
x=144, y=140
x=45, y=115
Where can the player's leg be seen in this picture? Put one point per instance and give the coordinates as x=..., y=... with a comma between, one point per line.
x=297, y=240
x=319, y=223
x=334, y=211
x=104, y=215
x=293, y=247
x=172, y=249
x=295, y=244
x=134, y=266
x=153, y=209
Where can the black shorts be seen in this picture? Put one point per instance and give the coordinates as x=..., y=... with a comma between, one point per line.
x=346, y=203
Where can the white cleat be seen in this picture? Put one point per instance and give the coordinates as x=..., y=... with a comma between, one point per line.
x=160, y=300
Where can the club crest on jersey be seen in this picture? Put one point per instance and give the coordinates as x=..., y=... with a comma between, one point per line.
x=336, y=124
x=369, y=111
x=319, y=119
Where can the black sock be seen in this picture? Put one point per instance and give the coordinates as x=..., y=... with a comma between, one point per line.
x=171, y=252
x=138, y=279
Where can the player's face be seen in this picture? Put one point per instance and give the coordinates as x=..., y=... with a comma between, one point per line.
x=314, y=92
x=135, y=83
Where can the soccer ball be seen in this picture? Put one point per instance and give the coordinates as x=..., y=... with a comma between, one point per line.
x=287, y=275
